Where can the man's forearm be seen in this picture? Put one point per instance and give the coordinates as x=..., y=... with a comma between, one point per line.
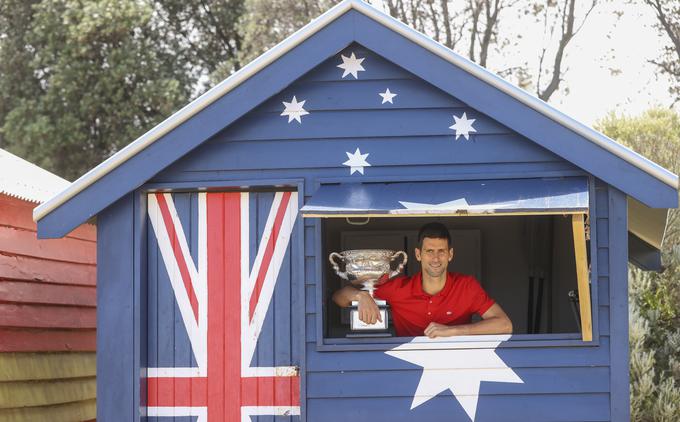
x=493, y=325
x=344, y=297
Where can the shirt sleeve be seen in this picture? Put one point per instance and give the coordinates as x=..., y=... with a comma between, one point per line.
x=386, y=290
x=479, y=300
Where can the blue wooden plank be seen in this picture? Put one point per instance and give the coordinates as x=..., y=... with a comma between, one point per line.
x=361, y=94
x=524, y=357
x=154, y=265
x=400, y=383
x=361, y=124
x=603, y=261
x=141, y=297
x=264, y=352
x=176, y=178
x=603, y=293
x=310, y=270
x=196, y=130
x=315, y=153
x=310, y=299
x=281, y=307
x=376, y=67
x=602, y=231
x=510, y=112
x=116, y=377
x=618, y=299
x=444, y=408
x=603, y=319
x=474, y=197
x=182, y=355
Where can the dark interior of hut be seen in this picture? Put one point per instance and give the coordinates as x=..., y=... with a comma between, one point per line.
x=525, y=262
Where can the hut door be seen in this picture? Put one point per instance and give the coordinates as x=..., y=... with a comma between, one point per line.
x=220, y=320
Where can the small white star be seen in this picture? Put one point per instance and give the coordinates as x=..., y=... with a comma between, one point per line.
x=463, y=379
x=387, y=96
x=351, y=65
x=356, y=162
x=463, y=126
x=294, y=110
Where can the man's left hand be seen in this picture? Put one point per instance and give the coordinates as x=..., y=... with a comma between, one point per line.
x=439, y=330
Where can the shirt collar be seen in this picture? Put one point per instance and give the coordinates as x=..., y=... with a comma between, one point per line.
x=417, y=285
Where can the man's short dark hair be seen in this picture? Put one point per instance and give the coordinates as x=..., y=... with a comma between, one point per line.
x=433, y=230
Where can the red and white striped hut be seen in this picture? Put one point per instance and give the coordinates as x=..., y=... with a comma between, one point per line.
x=47, y=305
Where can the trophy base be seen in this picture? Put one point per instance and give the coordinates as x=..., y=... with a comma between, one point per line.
x=361, y=329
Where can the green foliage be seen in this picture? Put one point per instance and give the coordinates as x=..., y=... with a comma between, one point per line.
x=654, y=297
x=93, y=75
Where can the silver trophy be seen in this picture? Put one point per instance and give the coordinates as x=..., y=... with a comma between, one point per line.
x=368, y=268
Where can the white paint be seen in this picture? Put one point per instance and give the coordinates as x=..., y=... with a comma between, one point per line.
x=387, y=96
x=459, y=370
x=201, y=412
x=463, y=126
x=294, y=110
x=356, y=161
x=351, y=66
x=197, y=336
x=248, y=411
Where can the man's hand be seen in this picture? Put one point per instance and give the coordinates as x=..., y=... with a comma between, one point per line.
x=434, y=329
x=369, y=312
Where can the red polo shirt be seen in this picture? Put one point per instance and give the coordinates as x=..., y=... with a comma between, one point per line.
x=413, y=309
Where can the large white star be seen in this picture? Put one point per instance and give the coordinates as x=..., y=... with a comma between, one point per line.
x=356, y=162
x=459, y=370
x=387, y=96
x=463, y=126
x=460, y=204
x=351, y=65
x=294, y=110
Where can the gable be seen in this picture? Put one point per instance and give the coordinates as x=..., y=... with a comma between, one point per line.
x=347, y=113
x=354, y=21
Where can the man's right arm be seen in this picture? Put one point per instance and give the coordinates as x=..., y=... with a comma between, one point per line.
x=368, y=310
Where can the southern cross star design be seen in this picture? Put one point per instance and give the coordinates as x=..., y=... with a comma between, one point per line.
x=356, y=162
x=351, y=65
x=459, y=370
x=454, y=205
x=294, y=110
x=463, y=126
x=387, y=96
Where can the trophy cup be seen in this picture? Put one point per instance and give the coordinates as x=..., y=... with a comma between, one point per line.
x=367, y=268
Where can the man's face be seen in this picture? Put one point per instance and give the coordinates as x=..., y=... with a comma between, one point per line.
x=434, y=257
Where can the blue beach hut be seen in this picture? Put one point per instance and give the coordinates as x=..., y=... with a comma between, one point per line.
x=214, y=230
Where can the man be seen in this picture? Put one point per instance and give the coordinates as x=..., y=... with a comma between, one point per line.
x=434, y=302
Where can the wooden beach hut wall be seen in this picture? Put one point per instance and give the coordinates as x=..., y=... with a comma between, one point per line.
x=214, y=230
x=47, y=305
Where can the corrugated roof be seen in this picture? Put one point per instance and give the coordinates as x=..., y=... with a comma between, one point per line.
x=304, y=33
x=26, y=181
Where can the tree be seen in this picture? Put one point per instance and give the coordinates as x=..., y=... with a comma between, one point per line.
x=478, y=23
x=668, y=23
x=91, y=75
x=207, y=33
x=653, y=297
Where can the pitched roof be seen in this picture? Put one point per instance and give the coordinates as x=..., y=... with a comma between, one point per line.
x=26, y=181
x=249, y=73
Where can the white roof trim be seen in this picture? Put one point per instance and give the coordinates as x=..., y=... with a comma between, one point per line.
x=26, y=181
x=301, y=35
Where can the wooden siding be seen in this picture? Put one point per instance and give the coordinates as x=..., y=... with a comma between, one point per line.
x=168, y=343
x=47, y=320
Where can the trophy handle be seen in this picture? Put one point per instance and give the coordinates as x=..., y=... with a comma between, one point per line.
x=401, y=265
x=335, y=265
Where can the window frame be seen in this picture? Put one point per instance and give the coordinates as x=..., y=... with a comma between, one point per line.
x=475, y=341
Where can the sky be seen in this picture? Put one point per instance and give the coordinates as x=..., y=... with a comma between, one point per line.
x=607, y=42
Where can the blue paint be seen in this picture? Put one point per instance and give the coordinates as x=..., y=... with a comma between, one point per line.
x=618, y=299
x=498, y=196
x=116, y=397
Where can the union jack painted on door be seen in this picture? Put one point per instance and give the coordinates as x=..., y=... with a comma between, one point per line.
x=219, y=317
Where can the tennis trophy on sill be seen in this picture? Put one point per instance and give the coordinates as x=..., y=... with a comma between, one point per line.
x=368, y=268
